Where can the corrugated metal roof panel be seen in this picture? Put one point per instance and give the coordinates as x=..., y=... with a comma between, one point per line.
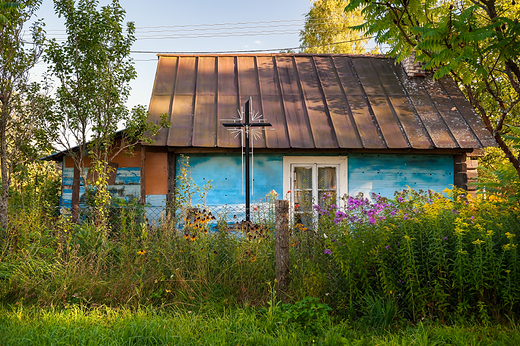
x=312, y=101
x=337, y=105
x=358, y=103
x=467, y=112
x=457, y=125
x=276, y=135
x=297, y=120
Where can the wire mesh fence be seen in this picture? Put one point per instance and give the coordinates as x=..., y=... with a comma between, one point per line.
x=201, y=245
x=434, y=258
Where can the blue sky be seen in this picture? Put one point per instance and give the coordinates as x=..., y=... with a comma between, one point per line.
x=197, y=26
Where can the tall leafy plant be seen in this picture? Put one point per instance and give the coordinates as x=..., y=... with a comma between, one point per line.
x=476, y=42
x=94, y=69
x=23, y=106
x=328, y=29
x=5, y=6
x=502, y=179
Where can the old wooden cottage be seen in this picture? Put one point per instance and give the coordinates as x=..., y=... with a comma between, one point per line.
x=340, y=123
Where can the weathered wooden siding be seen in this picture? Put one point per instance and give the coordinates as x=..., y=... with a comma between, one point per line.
x=380, y=173
x=122, y=160
x=225, y=173
x=127, y=184
x=384, y=174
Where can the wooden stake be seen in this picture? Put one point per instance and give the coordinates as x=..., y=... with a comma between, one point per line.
x=282, y=248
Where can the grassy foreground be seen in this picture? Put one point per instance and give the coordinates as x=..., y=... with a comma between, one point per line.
x=106, y=326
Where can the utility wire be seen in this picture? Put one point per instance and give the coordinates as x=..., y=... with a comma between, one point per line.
x=233, y=25
x=250, y=51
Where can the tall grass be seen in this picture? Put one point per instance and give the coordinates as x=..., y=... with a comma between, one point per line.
x=421, y=255
x=426, y=255
x=59, y=263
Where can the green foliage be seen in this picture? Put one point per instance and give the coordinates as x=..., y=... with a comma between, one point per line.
x=309, y=314
x=21, y=324
x=429, y=256
x=36, y=185
x=6, y=6
x=24, y=107
x=328, y=29
x=379, y=312
x=419, y=256
x=474, y=42
x=94, y=69
x=500, y=178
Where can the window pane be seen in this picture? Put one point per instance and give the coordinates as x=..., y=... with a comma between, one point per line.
x=302, y=178
x=327, y=198
x=302, y=200
x=326, y=178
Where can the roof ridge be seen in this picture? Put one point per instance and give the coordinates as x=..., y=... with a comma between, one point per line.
x=376, y=56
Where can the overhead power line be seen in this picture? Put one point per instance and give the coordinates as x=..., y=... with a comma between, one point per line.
x=253, y=50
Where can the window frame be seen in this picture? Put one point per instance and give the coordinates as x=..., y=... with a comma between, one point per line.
x=341, y=162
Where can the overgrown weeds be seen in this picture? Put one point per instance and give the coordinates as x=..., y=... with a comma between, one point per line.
x=426, y=255
x=419, y=256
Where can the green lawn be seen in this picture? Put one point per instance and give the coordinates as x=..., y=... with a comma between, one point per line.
x=103, y=326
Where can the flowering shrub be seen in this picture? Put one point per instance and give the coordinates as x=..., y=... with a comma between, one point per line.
x=432, y=255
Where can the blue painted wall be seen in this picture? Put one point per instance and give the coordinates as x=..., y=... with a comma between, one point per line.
x=127, y=185
x=385, y=174
x=225, y=173
x=380, y=173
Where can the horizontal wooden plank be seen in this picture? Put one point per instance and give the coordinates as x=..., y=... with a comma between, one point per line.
x=156, y=200
x=386, y=174
x=471, y=164
x=128, y=176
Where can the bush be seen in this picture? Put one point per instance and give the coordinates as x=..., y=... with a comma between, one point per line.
x=427, y=254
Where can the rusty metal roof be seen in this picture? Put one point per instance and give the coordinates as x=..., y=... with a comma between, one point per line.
x=312, y=101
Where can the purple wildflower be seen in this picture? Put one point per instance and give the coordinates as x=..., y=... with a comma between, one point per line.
x=327, y=252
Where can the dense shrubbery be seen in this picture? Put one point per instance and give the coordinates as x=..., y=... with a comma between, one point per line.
x=426, y=255
x=59, y=263
x=420, y=255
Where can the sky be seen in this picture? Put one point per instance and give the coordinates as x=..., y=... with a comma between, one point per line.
x=200, y=26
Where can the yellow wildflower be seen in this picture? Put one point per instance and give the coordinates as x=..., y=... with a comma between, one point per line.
x=478, y=242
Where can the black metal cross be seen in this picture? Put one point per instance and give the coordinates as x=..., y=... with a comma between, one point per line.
x=247, y=126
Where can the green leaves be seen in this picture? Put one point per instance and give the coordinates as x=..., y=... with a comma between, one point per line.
x=328, y=29
x=5, y=7
x=476, y=42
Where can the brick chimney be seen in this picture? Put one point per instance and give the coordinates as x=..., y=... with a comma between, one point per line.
x=413, y=68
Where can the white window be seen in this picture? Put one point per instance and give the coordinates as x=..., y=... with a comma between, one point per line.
x=313, y=180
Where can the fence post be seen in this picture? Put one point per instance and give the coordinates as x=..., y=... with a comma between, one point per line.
x=282, y=248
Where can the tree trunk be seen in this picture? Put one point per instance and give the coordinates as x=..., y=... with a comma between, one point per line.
x=4, y=167
x=75, y=194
